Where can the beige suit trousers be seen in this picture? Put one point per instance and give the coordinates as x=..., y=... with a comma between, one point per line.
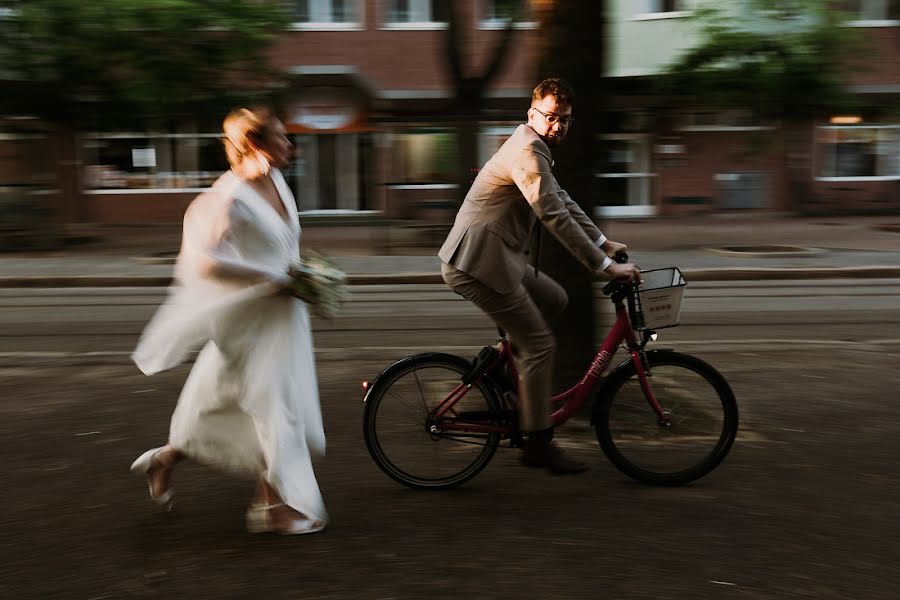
x=523, y=313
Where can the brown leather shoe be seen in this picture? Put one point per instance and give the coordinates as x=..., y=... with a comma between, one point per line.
x=541, y=453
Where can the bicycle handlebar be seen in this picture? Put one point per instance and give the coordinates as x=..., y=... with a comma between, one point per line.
x=615, y=285
x=626, y=289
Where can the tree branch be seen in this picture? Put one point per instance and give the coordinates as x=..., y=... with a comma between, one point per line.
x=501, y=50
x=452, y=45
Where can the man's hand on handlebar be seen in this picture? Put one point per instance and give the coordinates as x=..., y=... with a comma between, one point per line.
x=612, y=248
x=626, y=271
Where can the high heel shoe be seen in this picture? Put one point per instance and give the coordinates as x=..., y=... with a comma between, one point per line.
x=259, y=520
x=143, y=466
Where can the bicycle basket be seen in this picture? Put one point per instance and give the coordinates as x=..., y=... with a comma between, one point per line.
x=660, y=293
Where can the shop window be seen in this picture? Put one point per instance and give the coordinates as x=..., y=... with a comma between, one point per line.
x=423, y=157
x=152, y=161
x=329, y=171
x=859, y=152
x=622, y=177
x=27, y=179
x=491, y=138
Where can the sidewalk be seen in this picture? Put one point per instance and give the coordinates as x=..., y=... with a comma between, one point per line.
x=705, y=248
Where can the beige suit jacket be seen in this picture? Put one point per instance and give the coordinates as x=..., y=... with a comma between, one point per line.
x=490, y=236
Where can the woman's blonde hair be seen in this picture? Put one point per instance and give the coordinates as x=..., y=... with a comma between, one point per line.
x=245, y=131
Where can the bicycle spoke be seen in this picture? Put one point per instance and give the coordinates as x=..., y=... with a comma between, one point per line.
x=643, y=409
x=700, y=424
x=399, y=438
x=421, y=392
x=416, y=409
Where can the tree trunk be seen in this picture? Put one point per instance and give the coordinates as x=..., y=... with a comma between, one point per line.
x=574, y=49
x=467, y=153
x=470, y=90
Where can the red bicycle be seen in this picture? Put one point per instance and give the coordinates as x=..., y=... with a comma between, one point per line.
x=660, y=416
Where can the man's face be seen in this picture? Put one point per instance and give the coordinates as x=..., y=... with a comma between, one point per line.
x=550, y=119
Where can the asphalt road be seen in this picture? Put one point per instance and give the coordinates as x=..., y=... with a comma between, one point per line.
x=804, y=507
x=388, y=321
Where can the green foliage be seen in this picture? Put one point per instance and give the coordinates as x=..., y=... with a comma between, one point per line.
x=78, y=59
x=778, y=59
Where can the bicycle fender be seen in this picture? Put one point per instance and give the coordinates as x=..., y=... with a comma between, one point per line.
x=405, y=362
x=408, y=361
x=623, y=370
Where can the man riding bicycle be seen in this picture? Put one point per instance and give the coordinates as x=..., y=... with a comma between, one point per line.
x=485, y=257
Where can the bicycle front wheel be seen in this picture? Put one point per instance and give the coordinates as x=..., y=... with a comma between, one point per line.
x=701, y=420
x=409, y=444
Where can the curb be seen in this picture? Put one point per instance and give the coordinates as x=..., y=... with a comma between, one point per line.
x=386, y=355
x=712, y=274
x=750, y=251
x=78, y=281
x=890, y=227
x=750, y=273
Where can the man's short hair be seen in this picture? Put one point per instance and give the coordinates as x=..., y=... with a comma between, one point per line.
x=558, y=88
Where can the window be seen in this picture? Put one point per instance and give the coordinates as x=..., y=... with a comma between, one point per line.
x=859, y=152
x=491, y=138
x=874, y=10
x=666, y=5
x=659, y=6
x=329, y=171
x=622, y=177
x=423, y=157
x=418, y=12
x=327, y=13
x=496, y=13
x=152, y=161
x=659, y=9
x=730, y=120
x=25, y=157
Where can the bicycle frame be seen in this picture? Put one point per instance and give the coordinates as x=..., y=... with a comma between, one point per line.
x=569, y=401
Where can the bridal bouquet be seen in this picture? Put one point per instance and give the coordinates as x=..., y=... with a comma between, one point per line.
x=319, y=283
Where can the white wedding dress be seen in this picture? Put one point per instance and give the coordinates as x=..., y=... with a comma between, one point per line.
x=251, y=402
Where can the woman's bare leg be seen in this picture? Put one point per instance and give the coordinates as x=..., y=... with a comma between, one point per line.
x=281, y=514
x=160, y=473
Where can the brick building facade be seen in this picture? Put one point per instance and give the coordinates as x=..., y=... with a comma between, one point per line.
x=367, y=111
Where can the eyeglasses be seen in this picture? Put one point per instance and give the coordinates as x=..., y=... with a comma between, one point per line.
x=552, y=118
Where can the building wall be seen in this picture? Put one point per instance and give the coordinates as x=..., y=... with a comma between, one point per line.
x=853, y=197
x=696, y=179
x=398, y=60
x=643, y=44
x=714, y=162
x=401, y=76
x=391, y=80
x=878, y=64
x=135, y=209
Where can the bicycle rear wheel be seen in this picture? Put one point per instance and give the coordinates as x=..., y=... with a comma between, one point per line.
x=412, y=447
x=702, y=420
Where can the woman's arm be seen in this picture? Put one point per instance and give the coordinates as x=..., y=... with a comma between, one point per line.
x=210, y=222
